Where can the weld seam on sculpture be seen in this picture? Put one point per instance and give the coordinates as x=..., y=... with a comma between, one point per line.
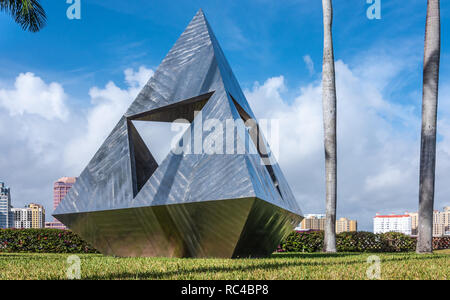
x=191, y=205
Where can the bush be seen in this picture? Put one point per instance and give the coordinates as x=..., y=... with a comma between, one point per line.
x=302, y=242
x=65, y=241
x=360, y=241
x=42, y=241
x=441, y=242
x=398, y=242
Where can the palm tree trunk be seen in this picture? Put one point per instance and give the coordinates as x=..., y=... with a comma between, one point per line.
x=329, y=121
x=428, y=135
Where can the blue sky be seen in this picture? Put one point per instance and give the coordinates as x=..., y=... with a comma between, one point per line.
x=260, y=38
x=266, y=43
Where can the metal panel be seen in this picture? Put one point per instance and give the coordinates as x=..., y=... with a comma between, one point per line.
x=203, y=229
x=267, y=225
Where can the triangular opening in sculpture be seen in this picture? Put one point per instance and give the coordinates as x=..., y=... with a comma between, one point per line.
x=159, y=136
x=143, y=164
x=155, y=126
x=256, y=137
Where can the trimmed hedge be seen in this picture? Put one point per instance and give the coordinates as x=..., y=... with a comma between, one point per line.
x=302, y=242
x=65, y=241
x=360, y=241
x=398, y=242
x=42, y=241
x=441, y=242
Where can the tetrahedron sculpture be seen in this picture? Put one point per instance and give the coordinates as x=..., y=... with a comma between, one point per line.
x=194, y=204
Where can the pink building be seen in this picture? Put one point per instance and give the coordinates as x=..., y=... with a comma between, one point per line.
x=60, y=189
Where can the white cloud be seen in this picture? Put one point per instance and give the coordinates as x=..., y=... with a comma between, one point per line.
x=378, y=143
x=309, y=64
x=42, y=139
x=31, y=95
x=108, y=105
x=389, y=177
x=138, y=79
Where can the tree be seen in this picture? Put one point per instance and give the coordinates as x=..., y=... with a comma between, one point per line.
x=329, y=121
x=29, y=14
x=428, y=134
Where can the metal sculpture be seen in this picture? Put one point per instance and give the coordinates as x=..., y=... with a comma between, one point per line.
x=194, y=204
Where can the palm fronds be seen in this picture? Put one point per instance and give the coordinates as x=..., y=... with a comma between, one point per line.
x=29, y=14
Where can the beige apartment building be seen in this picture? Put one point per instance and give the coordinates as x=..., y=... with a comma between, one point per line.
x=346, y=225
x=37, y=215
x=441, y=222
x=313, y=221
x=414, y=222
x=317, y=222
x=30, y=216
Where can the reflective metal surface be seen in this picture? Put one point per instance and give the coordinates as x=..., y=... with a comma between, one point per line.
x=193, y=204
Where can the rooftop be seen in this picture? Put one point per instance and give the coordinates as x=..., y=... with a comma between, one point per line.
x=67, y=179
x=392, y=216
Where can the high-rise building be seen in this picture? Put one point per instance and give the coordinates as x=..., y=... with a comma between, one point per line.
x=441, y=222
x=313, y=221
x=60, y=188
x=31, y=216
x=392, y=223
x=346, y=225
x=37, y=215
x=437, y=224
x=414, y=222
x=446, y=220
x=317, y=222
x=22, y=217
x=5, y=206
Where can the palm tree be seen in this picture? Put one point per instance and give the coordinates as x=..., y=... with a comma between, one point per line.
x=428, y=134
x=29, y=14
x=329, y=121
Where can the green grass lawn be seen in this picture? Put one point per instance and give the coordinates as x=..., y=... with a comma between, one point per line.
x=278, y=266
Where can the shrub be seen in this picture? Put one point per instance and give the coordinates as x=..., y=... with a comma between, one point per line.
x=302, y=242
x=360, y=241
x=65, y=241
x=441, y=242
x=398, y=242
x=42, y=241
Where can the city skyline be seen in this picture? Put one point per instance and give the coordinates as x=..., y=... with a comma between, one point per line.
x=441, y=220
x=317, y=222
x=32, y=215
